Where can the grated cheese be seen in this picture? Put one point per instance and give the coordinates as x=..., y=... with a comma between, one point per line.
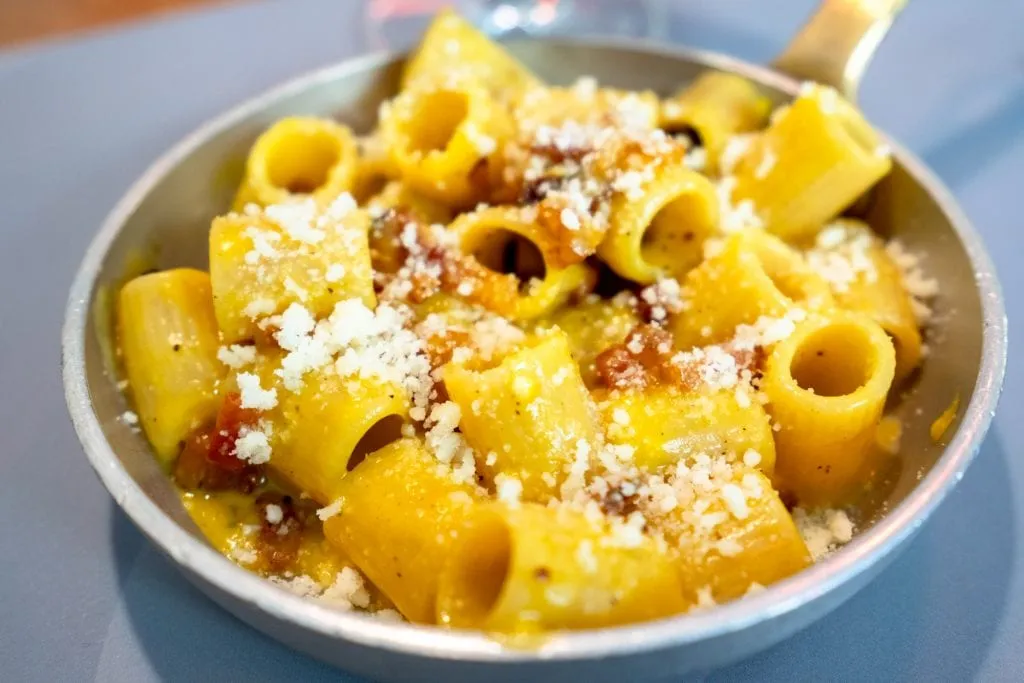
x=824, y=531
x=236, y=355
x=254, y=396
x=274, y=514
x=328, y=511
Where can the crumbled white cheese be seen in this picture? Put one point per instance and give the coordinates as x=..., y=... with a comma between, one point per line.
x=328, y=511
x=236, y=355
x=824, y=531
x=274, y=514
x=509, y=489
x=252, y=445
x=253, y=395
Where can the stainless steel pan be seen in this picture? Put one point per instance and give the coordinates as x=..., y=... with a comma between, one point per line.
x=168, y=210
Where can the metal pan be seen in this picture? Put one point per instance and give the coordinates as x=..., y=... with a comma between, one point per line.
x=169, y=208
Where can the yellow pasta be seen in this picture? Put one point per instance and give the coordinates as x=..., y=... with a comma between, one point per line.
x=324, y=431
x=451, y=47
x=374, y=168
x=298, y=156
x=439, y=137
x=398, y=519
x=397, y=195
x=531, y=412
x=524, y=359
x=262, y=262
x=732, y=535
x=505, y=239
x=665, y=425
x=532, y=568
x=587, y=104
x=826, y=387
x=753, y=275
x=592, y=326
x=167, y=333
x=815, y=159
x=715, y=107
x=661, y=232
x=865, y=279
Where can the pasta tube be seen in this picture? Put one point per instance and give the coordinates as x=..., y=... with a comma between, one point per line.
x=528, y=415
x=298, y=156
x=438, y=136
x=532, y=568
x=729, y=531
x=753, y=275
x=826, y=386
x=287, y=253
x=167, y=333
x=865, y=279
x=815, y=159
x=506, y=239
x=665, y=425
x=661, y=232
x=325, y=430
x=399, y=515
x=713, y=108
x=453, y=47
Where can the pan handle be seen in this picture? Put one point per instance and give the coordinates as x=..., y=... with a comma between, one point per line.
x=836, y=44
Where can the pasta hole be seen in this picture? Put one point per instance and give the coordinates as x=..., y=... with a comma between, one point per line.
x=509, y=252
x=673, y=238
x=436, y=116
x=477, y=571
x=384, y=431
x=836, y=360
x=300, y=162
x=685, y=132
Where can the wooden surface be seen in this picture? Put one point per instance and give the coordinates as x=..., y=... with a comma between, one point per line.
x=22, y=21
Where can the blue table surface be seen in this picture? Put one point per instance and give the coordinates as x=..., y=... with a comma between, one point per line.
x=85, y=597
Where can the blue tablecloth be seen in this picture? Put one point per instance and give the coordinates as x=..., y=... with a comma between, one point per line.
x=84, y=597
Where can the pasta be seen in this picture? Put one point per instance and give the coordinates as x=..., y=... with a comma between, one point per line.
x=826, y=386
x=507, y=411
x=715, y=108
x=517, y=569
x=526, y=358
x=168, y=338
x=298, y=156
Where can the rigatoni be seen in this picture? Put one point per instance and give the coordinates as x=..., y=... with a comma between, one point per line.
x=528, y=416
x=665, y=425
x=826, y=387
x=167, y=333
x=261, y=262
x=729, y=531
x=660, y=232
x=324, y=430
x=299, y=156
x=865, y=279
x=753, y=275
x=715, y=107
x=815, y=159
x=529, y=568
x=398, y=516
x=439, y=135
x=451, y=47
x=509, y=240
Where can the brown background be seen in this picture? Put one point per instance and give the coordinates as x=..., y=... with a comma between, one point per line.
x=22, y=21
